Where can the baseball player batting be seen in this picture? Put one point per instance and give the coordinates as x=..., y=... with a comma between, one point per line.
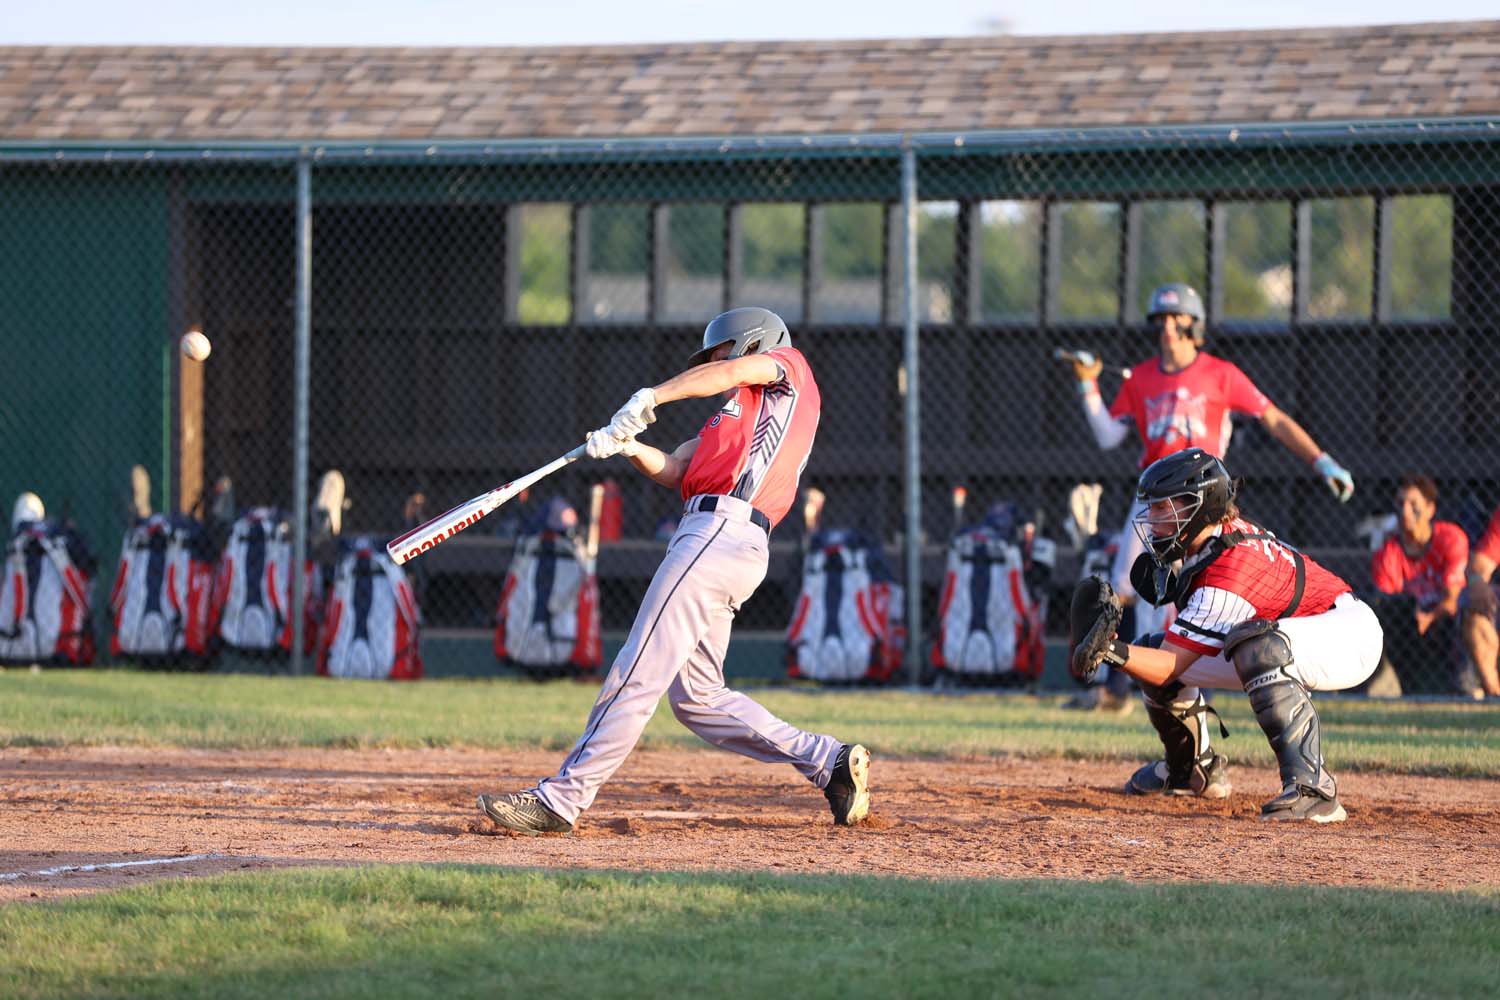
x=738, y=478
x=1183, y=399
x=1255, y=615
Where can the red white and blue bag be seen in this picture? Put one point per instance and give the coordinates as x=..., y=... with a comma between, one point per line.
x=985, y=612
x=46, y=596
x=372, y=628
x=547, y=621
x=848, y=624
x=252, y=591
x=161, y=605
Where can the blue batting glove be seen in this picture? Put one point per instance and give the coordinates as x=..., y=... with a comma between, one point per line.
x=1337, y=477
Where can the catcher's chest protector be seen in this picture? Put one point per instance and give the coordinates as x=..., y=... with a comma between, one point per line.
x=847, y=625
x=984, y=610
x=253, y=589
x=372, y=626
x=162, y=601
x=46, y=597
x=547, y=622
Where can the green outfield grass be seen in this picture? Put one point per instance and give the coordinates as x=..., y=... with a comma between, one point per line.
x=123, y=707
x=487, y=932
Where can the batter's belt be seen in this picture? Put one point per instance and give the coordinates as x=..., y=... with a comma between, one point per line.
x=731, y=507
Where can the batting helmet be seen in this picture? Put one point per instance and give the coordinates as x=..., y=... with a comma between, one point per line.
x=1201, y=487
x=1181, y=300
x=752, y=330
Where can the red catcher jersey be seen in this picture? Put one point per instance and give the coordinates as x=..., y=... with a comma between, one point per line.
x=1429, y=576
x=1186, y=409
x=756, y=446
x=1254, y=579
x=1489, y=542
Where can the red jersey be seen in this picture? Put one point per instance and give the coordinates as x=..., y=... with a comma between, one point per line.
x=1431, y=575
x=1254, y=579
x=756, y=446
x=1489, y=542
x=1186, y=409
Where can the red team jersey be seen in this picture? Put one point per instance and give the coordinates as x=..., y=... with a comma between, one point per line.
x=1254, y=579
x=1186, y=409
x=756, y=446
x=1489, y=542
x=1429, y=576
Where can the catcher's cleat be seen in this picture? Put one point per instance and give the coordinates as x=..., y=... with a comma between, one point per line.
x=848, y=790
x=1298, y=802
x=1153, y=779
x=523, y=812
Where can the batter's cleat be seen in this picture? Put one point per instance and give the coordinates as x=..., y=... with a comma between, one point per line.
x=523, y=812
x=848, y=790
x=1153, y=779
x=1297, y=803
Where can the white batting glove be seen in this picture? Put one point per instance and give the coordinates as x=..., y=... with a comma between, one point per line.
x=603, y=444
x=635, y=416
x=1336, y=476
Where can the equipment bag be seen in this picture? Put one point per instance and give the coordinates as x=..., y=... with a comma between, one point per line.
x=848, y=624
x=46, y=597
x=547, y=621
x=161, y=604
x=372, y=628
x=985, y=615
x=252, y=592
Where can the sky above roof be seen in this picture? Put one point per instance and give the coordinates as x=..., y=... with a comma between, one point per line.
x=611, y=22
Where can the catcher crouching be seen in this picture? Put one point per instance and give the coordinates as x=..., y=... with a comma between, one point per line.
x=1256, y=615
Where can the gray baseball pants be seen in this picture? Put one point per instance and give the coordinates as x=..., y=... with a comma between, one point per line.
x=676, y=647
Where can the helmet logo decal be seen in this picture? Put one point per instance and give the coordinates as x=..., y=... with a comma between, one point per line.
x=1167, y=298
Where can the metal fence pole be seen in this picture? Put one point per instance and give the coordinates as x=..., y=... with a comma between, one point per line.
x=911, y=389
x=302, y=336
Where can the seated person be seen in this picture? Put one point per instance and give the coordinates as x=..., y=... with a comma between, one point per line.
x=1421, y=570
x=1480, y=608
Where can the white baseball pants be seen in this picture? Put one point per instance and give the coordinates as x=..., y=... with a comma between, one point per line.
x=676, y=647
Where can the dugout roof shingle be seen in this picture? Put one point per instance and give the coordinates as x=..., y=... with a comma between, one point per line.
x=747, y=88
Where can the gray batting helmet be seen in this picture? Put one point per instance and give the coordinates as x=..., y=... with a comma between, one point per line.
x=1180, y=299
x=753, y=330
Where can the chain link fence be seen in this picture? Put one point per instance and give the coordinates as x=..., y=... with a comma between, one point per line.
x=475, y=310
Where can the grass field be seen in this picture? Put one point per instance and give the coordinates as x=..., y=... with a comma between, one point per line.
x=120, y=707
x=483, y=931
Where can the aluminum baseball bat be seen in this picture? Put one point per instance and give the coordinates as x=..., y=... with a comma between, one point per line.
x=1085, y=358
x=446, y=525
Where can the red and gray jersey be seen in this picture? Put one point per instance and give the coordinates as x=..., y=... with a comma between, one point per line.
x=1256, y=578
x=1188, y=408
x=756, y=446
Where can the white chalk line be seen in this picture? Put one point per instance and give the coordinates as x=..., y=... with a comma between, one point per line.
x=103, y=866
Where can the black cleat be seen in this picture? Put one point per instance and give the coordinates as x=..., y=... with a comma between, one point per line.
x=848, y=790
x=1298, y=803
x=523, y=812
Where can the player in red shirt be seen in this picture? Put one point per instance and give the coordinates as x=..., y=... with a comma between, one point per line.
x=1480, y=607
x=1184, y=398
x=1423, y=562
x=738, y=478
x=1256, y=614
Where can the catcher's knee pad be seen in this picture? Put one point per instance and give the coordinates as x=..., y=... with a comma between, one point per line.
x=1262, y=657
x=1182, y=724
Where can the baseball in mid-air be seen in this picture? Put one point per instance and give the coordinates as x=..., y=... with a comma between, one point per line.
x=195, y=345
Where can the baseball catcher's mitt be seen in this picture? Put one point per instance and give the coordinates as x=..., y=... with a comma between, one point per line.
x=1093, y=620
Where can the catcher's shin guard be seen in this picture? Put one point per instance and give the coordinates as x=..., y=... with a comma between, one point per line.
x=1191, y=767
x=1261, y=655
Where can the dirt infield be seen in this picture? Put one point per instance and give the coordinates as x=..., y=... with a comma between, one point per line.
x=143, y=809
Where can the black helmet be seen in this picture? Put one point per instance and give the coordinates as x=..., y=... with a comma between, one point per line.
x=1179, y=299
x=1195, y=478
x=752, y=329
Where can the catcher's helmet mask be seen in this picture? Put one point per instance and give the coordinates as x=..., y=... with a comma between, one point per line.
x=1181, y=495
x=751, y=329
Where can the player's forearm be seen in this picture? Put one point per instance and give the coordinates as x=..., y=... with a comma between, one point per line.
x=717, y=377
x=1156, y=666
x=657, y=466
x=1108, y=432
x=1481, y=568
x=1290, y=433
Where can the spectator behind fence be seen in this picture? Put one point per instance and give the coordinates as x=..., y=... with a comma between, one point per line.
x=1479, y=608
x=1420, y=572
